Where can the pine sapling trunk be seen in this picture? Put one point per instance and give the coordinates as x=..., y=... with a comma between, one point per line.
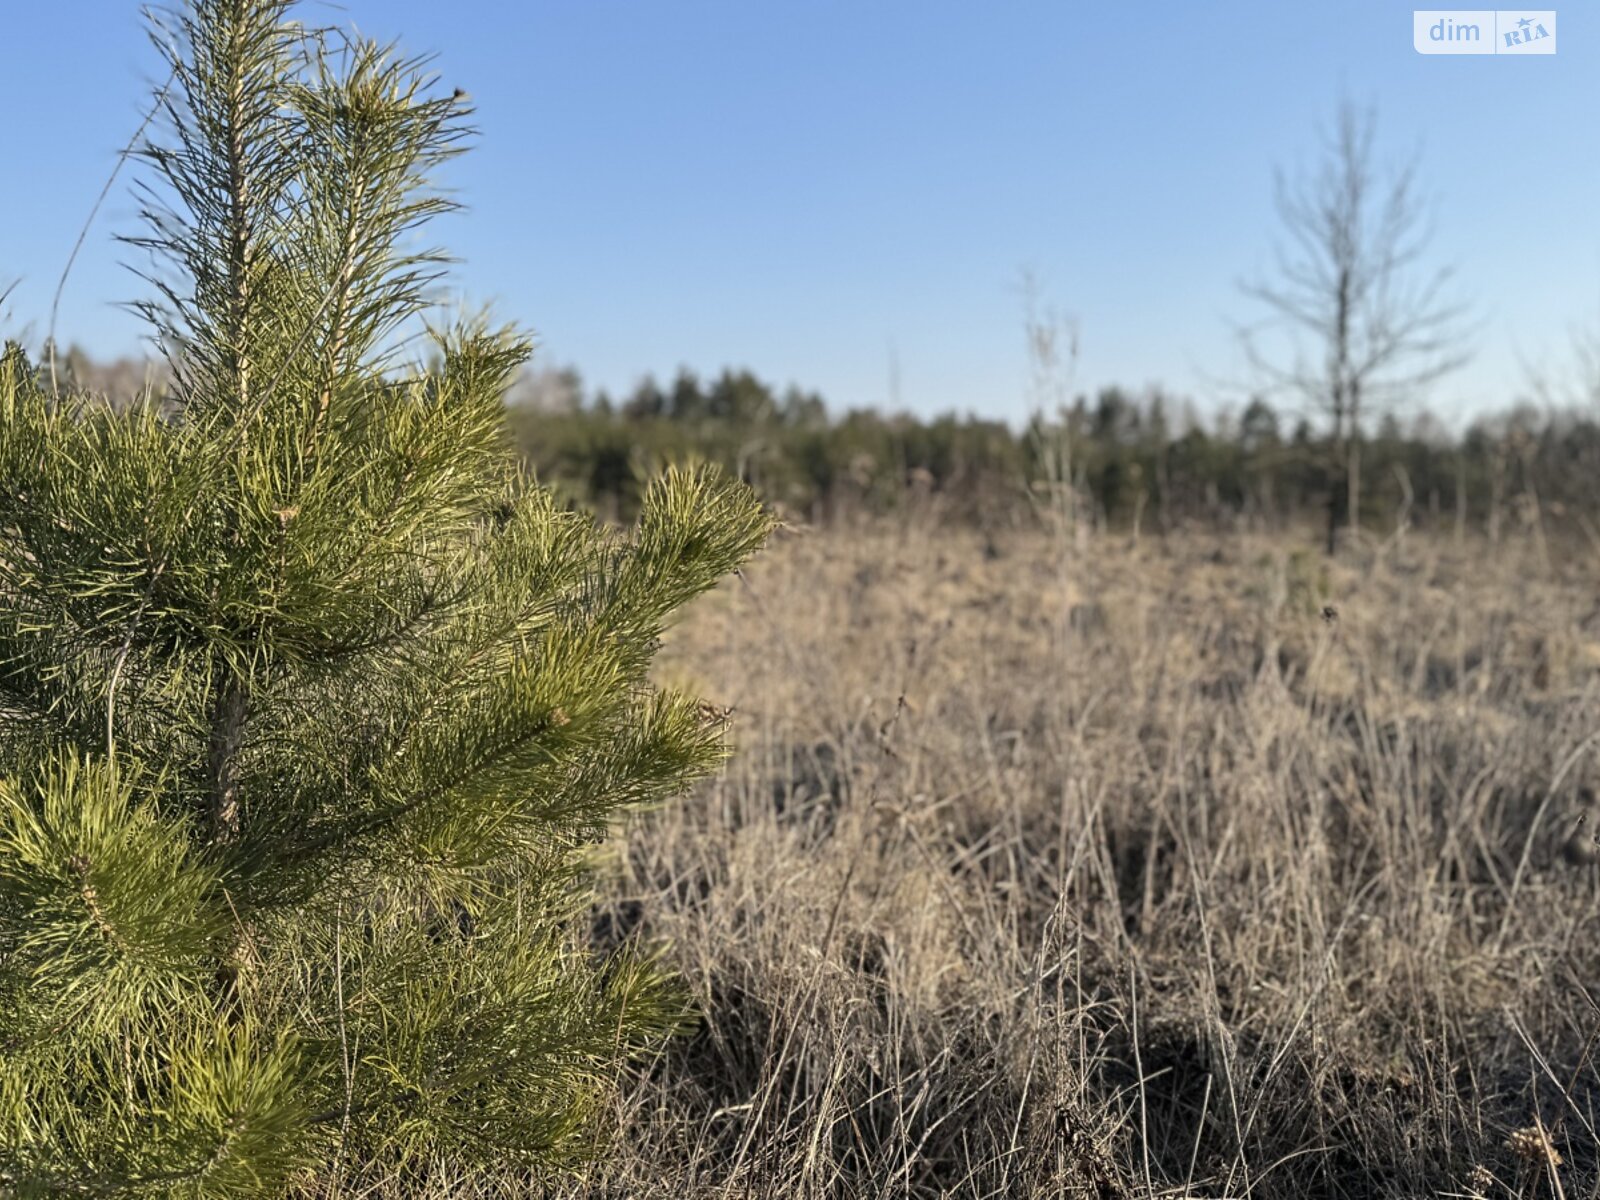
x=227, y=732
x=223, y=820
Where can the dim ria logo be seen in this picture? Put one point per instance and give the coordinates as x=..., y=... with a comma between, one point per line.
x=1483, y=31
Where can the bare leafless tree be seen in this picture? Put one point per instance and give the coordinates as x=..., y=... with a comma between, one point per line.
x=1355, y=321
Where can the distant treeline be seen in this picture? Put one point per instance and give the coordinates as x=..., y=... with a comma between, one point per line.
x=1121, y=458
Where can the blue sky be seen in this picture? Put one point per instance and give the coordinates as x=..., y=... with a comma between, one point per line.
x=811, y=187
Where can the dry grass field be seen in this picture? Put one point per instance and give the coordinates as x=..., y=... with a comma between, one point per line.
x=1125, y=871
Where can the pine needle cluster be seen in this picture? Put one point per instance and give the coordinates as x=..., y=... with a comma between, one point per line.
x=311, y=702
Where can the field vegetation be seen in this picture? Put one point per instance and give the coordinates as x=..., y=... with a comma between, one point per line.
x=1203, y=867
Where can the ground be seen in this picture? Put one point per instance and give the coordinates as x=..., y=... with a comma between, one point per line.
x=1202, y=866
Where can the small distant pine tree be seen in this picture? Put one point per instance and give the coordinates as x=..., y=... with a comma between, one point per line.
x=312, y=705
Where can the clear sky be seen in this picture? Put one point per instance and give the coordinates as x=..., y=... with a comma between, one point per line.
x=813, y=187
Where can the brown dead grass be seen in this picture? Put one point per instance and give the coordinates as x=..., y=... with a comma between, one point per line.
x=1124, y=871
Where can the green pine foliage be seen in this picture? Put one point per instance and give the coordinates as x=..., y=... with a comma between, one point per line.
x=312, y=704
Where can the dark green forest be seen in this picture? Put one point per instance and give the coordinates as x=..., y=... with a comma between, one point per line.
x=1141, y=460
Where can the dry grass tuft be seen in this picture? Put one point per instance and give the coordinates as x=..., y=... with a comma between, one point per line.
x=1127, y=873
x=1532, y=1146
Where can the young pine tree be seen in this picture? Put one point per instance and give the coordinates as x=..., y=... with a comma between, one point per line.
x=311, y=704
